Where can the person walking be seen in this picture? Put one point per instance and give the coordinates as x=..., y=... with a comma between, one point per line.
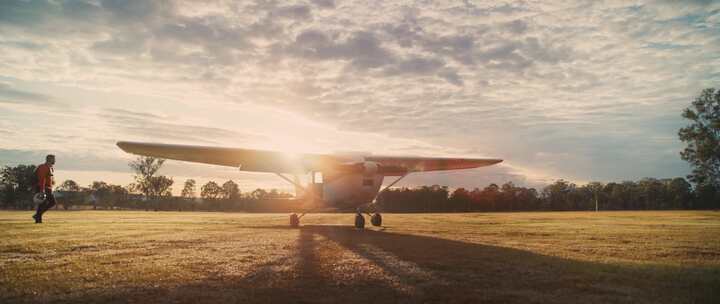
x=43, y=188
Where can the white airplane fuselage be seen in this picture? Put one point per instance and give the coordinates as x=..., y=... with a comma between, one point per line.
x=351, y=190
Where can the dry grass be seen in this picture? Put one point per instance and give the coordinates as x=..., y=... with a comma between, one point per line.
x=565, y=257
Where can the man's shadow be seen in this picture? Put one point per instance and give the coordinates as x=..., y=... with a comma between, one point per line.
x=422, y=269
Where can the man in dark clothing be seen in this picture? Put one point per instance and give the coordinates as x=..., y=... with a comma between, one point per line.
x=45, y=182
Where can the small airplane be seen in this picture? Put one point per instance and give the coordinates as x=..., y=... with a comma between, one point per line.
x=349, y=181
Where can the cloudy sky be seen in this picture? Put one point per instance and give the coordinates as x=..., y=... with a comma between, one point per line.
x=580, y=90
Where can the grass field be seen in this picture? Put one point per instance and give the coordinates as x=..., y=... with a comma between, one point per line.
x=578, y=257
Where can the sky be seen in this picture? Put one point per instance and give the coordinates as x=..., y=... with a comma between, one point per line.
x=575, y=90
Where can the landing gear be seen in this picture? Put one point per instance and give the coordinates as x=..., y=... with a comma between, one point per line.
x=359, y=221
x=294, y=220
x=376, y=220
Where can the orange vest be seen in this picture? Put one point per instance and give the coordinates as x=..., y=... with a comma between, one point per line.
x=45, y=176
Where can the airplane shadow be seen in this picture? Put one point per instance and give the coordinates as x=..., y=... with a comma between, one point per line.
x=385, y=267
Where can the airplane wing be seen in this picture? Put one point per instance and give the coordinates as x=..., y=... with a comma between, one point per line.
x=244, y=159
x=398, y=165
x=279, y=162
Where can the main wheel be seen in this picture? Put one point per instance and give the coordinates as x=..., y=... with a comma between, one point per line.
x=294, y=220
x=359, y=221
x=376, y=220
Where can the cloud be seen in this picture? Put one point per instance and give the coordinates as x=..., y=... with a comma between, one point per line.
x=576, y=82
x=130, y=44
x=157, y=128
x=362, y=49
x=26, y=12
x=11, y=95
x=66, y=161
x=518, y=26
x=28, y=45
x=416, y=66
x=300, y=12
x=324, y=3
x=452, y=77
x=132, y=11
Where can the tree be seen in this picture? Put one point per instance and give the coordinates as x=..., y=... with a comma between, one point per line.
x=188, y=191
x=508, y=192
x=211, y=191
x=702, y=136
x=161, y=186
x=71, y=195
x=558, y=195
x=68, y=185
x=107, y=195
x=231, y=191
x=145, y=168
x=259, y=194
x=16, y=186
x=275, y=194
x=708, y=197
x=460, y=199
x=595, y=190
x=680, y=193
x=146, y=182
x=489, y=197
x=118, y=195
x=529, y=199
x=100, y=193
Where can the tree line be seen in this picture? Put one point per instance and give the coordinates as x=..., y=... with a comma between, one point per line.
x=148, y=192
x=645, y=194
x=151, y=193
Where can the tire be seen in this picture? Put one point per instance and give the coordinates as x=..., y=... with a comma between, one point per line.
x=376, y=220
x=359, y=221
x=294, y=220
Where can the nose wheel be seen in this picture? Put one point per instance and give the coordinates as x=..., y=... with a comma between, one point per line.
x=376, y=220
x=359, y=221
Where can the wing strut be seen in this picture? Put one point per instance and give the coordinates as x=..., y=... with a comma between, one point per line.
x=388, y=186
x=297, y=184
